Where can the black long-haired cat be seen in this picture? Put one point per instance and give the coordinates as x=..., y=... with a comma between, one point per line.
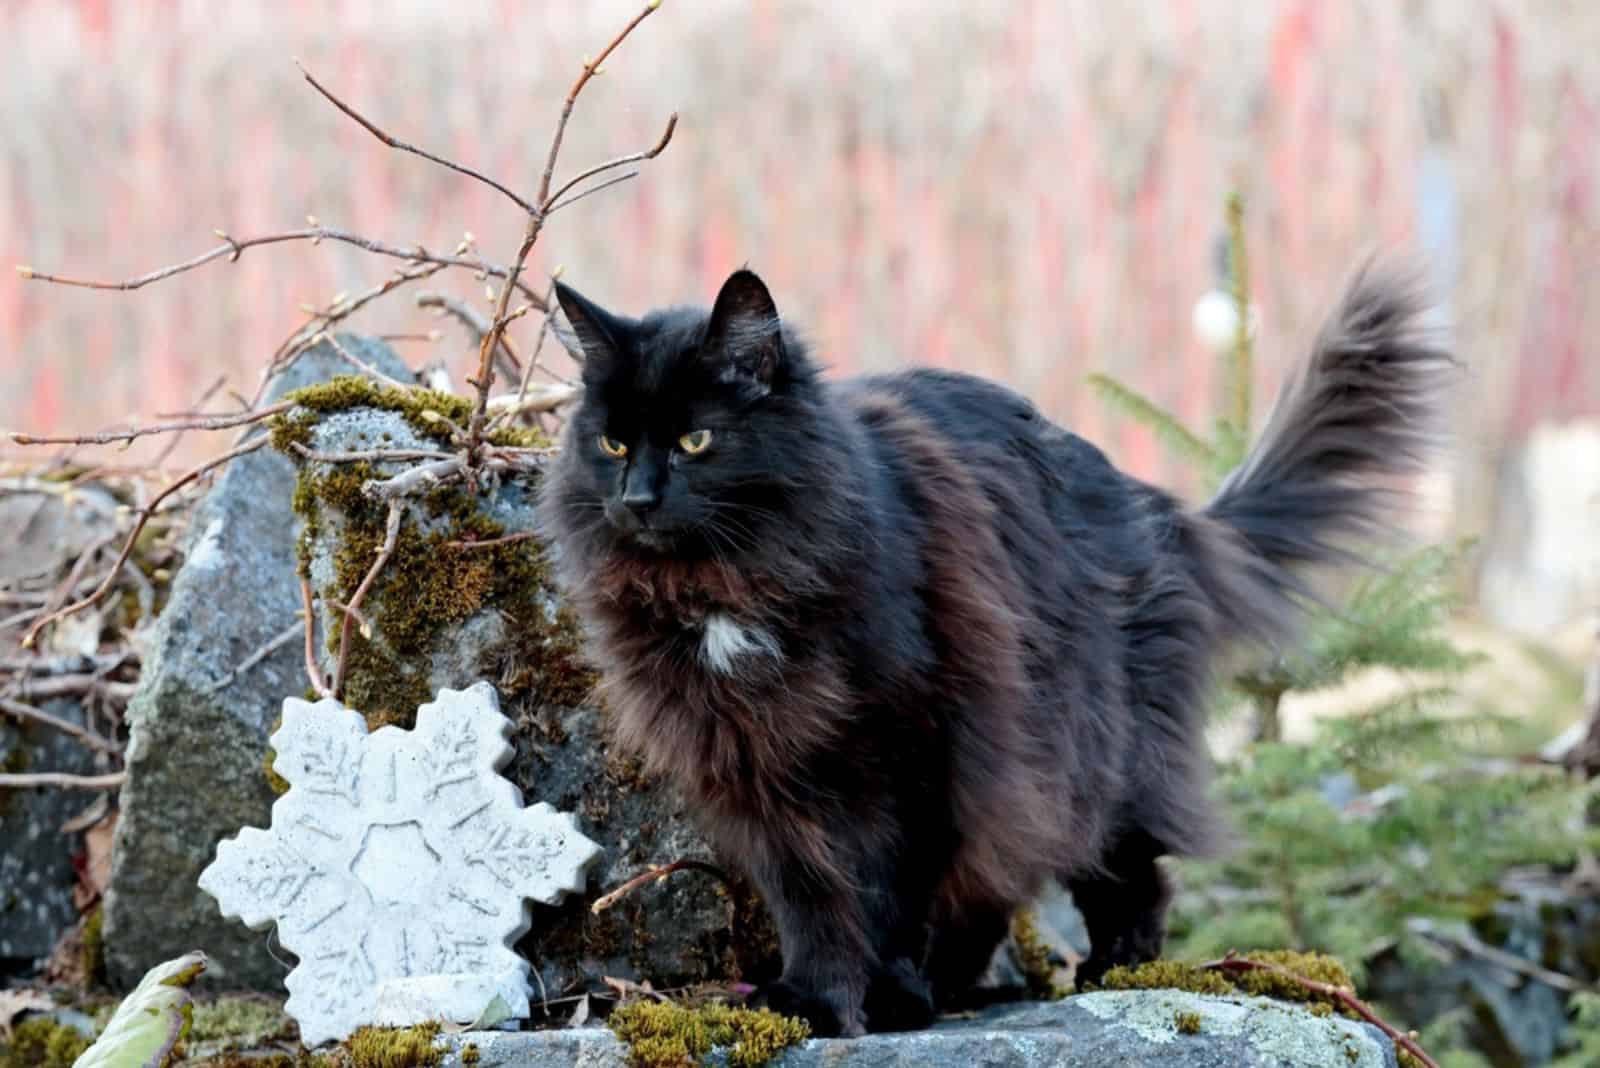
x=909, y=649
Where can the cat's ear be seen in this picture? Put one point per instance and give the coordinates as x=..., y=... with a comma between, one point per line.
x=592, y=334
x=744, y=338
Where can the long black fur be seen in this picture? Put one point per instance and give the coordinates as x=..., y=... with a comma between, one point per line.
x=968, y=654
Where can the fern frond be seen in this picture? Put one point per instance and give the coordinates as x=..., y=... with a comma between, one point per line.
x=1144, y=411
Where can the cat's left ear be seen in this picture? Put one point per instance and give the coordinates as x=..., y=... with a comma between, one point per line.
x=592, y=334
x=744, y=338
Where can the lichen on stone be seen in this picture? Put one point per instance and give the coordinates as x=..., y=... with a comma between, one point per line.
x=665, y=1034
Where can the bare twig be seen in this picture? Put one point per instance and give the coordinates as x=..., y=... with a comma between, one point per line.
x=172, y=444
x=621, y=161
x=416, y=480
x=533, y=361
x=314, y=674
x=29, y=780
x=277, y=642
x=475, y=323
x=69, y=685
x=394, y=142
x=314, y=234
x=655, y=874
x=592, y=190
x=1406, y=1041
x=391, y=535
x=508, y=539
x=485, y=377
x=105, y=437
x=133, y=536
x=359, y=364
x=43, y=718
x=370, y=455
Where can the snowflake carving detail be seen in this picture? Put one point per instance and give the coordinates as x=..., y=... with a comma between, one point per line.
x=398, y=865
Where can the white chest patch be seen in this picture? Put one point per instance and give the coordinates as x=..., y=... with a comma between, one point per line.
x=725, y=640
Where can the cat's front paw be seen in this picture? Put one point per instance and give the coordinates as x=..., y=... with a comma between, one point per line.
x=899, y=999
x=826, y=1021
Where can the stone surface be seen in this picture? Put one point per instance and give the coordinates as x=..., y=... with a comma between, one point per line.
x=1134, y=1029
x=398, y=864
x=198, y=740
x=36, y=874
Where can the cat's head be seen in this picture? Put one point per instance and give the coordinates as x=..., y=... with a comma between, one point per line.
x=692, y=426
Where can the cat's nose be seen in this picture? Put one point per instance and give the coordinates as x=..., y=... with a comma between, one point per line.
x=641, y=501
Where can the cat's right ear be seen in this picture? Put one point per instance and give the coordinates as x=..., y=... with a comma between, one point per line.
x=591, y=334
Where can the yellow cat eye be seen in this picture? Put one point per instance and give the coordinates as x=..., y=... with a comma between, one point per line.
x=695, y=441
x=613, y=447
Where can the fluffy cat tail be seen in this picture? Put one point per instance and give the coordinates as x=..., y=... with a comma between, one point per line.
x=1359, y=413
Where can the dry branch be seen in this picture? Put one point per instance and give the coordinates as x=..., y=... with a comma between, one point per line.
x=394, y=142
x=314, y=674
x=277, y=642
x=1405, y=1040
x=29, y=780
x=370, y=455
x=133, y=536
x=43, y=718
x=314, y=234
x=655, y=874
x=391, y=535
x=621, y=161
x=106, y=437
x=485, y=377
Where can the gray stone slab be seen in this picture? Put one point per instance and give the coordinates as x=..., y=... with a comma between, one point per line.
x=1134, y=1029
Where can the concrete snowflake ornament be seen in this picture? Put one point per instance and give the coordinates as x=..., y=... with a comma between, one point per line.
x=398, y=866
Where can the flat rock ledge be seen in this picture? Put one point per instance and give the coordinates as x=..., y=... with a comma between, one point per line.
x=1112, y=1029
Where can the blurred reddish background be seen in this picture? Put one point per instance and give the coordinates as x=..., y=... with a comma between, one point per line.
x=1031, y=191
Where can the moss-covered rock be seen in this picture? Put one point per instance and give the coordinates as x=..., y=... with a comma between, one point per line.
x=466, y=595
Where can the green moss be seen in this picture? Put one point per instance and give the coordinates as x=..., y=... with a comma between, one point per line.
x=291, y=428
x=1167, y=975
x=432, y=413
x=93, y=955
x=669, y=1035
x=408, y=1047
x=241, y=1022
x=469, y=1053
x=40, y=1042
x=1033, y=957
x=1175, y=975
x=1187, y=1023
x=277, y=783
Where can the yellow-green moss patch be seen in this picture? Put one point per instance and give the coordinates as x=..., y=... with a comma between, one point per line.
x=1176, y=975
x=469, y=1054
x=669, y=1035
x=240, y=1022
x=40, y=1042
x=1033, y=957
x=1187, y=1023
x=93, y=956
x=406, y=1047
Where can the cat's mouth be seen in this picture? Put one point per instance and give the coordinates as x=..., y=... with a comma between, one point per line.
x=656, y=540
